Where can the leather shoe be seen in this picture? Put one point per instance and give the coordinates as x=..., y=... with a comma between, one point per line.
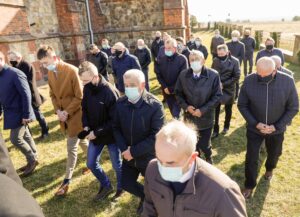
x=30, y=168
x=247, y=193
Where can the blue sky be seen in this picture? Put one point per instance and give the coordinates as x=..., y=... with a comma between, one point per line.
x=243, y=10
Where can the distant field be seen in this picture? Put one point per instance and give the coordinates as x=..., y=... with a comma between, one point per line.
x=288, y=29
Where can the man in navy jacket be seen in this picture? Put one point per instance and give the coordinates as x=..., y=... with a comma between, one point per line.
x=121, y=63
x=15, y=98
x=138, y=117
x=168, y=70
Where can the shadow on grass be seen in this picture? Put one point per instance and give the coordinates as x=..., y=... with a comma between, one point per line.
x=80, y=201
x=231, y=144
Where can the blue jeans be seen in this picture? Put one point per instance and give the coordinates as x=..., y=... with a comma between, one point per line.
x=93, y=158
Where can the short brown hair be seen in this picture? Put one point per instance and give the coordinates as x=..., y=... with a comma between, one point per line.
x=45, y=51
x=89, y=67
x=180, y=39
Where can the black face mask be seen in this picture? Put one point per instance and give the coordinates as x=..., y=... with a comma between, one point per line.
x=157, y=38
x=222, y=58
x=246, y=36
x=14, y=63
x=269, y=47
x=265, y=79
x=118, y=53
x=92, y=87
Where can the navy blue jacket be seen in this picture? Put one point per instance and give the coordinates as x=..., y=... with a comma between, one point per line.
x=107, y=51
x=98, y=107
x=201, y=48
x=122, y=65
x=267, y=53
x=273, y=103
x=250, y=45
x=15, y=97
x=168, y=70
x=144, y=57
x=136, y=125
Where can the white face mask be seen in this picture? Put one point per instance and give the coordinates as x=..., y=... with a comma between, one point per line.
x=140, y=47
x=196, y=66
x=171, y=174
x=235, y=39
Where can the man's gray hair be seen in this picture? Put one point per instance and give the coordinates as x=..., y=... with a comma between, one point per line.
x=172, y=42
x=197, y=53
x=265, y=64
x=135, y=74
x=277, y=60
x=14, y=53
x=180, y=135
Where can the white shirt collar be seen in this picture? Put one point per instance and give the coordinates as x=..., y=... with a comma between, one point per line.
x=188, y=175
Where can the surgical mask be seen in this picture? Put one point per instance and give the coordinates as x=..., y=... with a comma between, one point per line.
x=217, y=35
x=192, y=40
x=179, y=46
x=140, y=47
x=222, y=58
x=196, y=66
x=118, y=53
x=265, y=79
x=14, y=63
x=269, y=47
x=171, y=174
x=169, y=53
x=235, y=39
x=105, y=46
x=198, y=43
x=132, y=94
x=51, y=67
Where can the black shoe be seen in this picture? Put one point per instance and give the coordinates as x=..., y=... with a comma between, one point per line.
x=225, y=131
x=139, y=210
x=215, y=135
x=103, y=193
x=118, y=194
x=43, y=136
x=209, y=160
x=29, y=169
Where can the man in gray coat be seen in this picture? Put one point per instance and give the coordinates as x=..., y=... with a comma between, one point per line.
x=179, y=184
x=198, y=91
x=215, y=42
x=268, y=101
x=250, y=44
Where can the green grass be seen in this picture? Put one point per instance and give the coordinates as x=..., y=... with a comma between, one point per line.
x=280, y=198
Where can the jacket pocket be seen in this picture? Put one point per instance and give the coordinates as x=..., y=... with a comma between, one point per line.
x=194, y=213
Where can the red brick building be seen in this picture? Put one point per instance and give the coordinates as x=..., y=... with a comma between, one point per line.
x=25, y=24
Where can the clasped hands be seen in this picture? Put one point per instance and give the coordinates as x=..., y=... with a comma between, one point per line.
x=193, y=111
x=265, y=129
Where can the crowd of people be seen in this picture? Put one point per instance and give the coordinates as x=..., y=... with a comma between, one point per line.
x=106, y=102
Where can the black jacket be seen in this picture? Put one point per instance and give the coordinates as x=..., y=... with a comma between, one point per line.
x=136, y=125
x=203, y=93
x=201, y=48
x=155, y=48
x=168, y=70
x=144, y=57
x=190, y=44
x=98, y=107
x=273, y=103
x=237, y=49
x=250, y=44
x=107, y=51
x=186, y=52
x=100, y=61
x=229, y=71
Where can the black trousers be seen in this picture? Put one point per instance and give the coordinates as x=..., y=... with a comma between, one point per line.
x=248, y=59
x=274, y=150
x=203, y=144
x=41, y=119
x=130, y=175
x=228, y=114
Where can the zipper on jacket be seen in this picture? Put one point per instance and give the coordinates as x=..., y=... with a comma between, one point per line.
x=131, y=127
x=267, y=103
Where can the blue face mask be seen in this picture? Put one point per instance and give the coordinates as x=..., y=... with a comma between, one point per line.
x=168, y=53
x=132, y=93
x=51, y=67
x=196, y=66
x=171, y=174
